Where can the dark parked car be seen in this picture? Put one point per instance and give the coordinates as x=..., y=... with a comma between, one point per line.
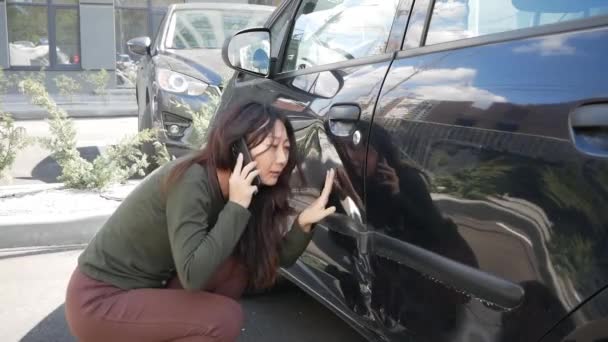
x=182, y=70
x=471, y=143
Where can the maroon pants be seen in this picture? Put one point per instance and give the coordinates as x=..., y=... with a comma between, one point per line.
x=97, y=311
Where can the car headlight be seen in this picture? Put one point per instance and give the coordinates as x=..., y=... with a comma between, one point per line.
x=179, y=83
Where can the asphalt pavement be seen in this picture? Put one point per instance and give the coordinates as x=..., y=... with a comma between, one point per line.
x=33, y=289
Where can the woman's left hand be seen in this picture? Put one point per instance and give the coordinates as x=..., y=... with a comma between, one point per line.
x=317, y=211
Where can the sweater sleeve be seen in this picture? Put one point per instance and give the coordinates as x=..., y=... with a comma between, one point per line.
x=197, y=248
x=293, y=244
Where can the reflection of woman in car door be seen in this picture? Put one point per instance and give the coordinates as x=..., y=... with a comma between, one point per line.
x=398, y=204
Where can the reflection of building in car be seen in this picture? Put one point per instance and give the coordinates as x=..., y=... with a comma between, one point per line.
x=470, y=151
x=338, y=33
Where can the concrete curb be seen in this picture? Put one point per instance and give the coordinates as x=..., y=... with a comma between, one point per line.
x=16, y=190
x=74, y=220
x=81, y=111
x=72, y=232
x=81, y=106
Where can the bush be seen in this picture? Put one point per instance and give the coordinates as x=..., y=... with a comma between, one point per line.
x=198, y=134
x=99, y=81
x=67, y=86
x=162, y=154
x=200, y=120
x=12, y=139
x=115, y=165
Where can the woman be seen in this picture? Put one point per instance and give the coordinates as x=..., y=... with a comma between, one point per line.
x=178, y=252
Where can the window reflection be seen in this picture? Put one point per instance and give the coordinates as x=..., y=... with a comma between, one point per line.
x=66, y=26
x=458, y=19
x=130, y=23
x=135, y=18
x=28, y=35
x=326, y=34
x=207, y=29
x=29, y=30
x=131, y=3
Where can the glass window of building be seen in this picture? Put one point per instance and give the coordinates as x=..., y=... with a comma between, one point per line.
x=43, y=33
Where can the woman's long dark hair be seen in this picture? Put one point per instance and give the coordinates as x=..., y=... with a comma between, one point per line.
x=258, y=246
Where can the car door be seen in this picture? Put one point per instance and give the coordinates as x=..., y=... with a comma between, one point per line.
x=327, y=77
x=486, y=173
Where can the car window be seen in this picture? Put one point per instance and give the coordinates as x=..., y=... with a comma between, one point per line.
x=330, y=31
x=207, y=29
x=460, y=19
x=158, y=35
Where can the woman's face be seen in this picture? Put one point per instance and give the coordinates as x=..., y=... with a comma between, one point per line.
x=272, y=154
x=358, y=156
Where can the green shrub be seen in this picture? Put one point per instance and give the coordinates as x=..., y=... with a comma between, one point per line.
x=115, y=165
x=99, y=81
x=162, y=154
x=67, y=86
x=200, y=120
x=198, y=134
x=12, y=139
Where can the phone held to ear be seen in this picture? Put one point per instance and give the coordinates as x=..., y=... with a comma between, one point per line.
x=241, y=147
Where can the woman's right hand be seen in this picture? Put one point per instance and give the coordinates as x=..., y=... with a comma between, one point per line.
x=240, y=190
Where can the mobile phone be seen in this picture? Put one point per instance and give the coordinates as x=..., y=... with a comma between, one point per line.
x=241, y=147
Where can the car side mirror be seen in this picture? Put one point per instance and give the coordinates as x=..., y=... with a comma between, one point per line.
x=139, y=45
x=249, y=51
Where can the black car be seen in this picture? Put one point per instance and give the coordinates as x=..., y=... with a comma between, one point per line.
x=470, y=140
x=182, y=70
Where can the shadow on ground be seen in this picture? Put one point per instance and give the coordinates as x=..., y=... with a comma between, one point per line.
x=286, y=314
x=47, y=170
x=53, y=328
x=289, y=314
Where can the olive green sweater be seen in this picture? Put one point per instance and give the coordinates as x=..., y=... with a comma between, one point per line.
x=148, y=238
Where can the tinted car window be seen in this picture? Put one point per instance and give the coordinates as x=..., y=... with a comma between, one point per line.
x=459, y=19
x=333, y=31
x=207, y=29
